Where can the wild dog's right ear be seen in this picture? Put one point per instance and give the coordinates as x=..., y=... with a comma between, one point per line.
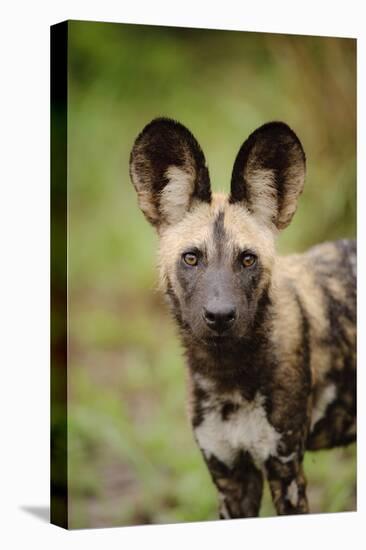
x=168, y=171
x=269, y=173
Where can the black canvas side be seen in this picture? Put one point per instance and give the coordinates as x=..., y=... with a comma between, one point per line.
x=59, y=82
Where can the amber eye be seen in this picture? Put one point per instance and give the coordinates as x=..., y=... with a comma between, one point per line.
x=248, y=260
x=190, y=259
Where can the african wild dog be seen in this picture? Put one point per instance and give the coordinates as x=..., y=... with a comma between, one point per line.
x=270, y=341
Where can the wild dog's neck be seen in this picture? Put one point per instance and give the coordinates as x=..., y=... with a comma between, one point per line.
x=234, y=362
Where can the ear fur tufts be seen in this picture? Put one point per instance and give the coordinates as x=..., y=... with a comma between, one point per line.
x=168, y=170
x=269, y=174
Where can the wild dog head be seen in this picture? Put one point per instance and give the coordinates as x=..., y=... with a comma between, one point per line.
x=216, y=251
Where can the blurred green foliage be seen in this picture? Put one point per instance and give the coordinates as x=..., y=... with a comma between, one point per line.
x=132, y=457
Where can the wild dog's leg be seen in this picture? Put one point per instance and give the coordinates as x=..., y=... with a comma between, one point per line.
x=288, y=486
x=240, y=487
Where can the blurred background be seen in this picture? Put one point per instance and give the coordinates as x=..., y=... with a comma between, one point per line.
x=132, y=457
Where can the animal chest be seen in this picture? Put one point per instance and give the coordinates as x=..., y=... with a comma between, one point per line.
x=229, y=425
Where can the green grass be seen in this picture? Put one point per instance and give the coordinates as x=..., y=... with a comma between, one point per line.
x=132, y=457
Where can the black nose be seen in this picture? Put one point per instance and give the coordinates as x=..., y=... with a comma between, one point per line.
x=219, y=319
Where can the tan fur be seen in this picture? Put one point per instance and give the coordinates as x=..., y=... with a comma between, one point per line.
x=296, y=271
x=297, y=176
x=262, y=193
x=245, y=229
x=175, y=197
x=144, y=197
x=196, y=228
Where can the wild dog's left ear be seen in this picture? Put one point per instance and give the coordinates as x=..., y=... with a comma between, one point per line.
x=169, y=172
x=269, y=174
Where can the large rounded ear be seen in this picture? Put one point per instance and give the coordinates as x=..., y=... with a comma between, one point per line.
x=169, y=172
x=269, y=174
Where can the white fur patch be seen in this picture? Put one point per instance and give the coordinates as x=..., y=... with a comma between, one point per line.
x=288, y=458
x=293, y=493
x=247, y=429
x=319, y=409
x=203, y=382
x=176, y=195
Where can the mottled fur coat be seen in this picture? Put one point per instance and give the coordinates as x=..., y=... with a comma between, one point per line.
x=270, y=341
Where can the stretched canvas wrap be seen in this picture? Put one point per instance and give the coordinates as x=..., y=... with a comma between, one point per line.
x=203, y=273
